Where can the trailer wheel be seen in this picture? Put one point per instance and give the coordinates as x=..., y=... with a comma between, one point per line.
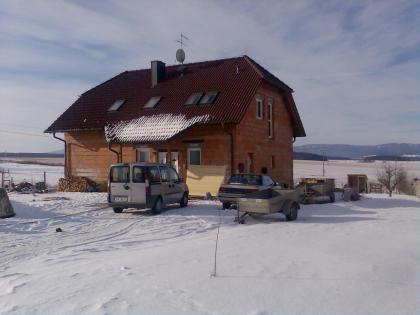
x=117, y=210
x=293, y=213
x=226, y=205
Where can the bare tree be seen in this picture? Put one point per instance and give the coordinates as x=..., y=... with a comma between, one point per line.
x=391, y=176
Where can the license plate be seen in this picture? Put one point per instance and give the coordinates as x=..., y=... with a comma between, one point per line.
x=120, y=199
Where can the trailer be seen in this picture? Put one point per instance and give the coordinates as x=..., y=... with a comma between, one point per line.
x=268, y=201
x=316, y=190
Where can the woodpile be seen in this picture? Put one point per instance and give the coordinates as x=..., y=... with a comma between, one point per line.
x=76, y=184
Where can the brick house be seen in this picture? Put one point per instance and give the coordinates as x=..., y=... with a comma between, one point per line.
x=228, y=113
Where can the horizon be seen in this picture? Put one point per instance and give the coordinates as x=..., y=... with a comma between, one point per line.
x=354, y=67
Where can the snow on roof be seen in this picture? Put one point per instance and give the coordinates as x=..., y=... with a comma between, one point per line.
x=154, y=128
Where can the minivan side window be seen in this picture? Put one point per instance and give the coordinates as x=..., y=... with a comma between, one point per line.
x=173, y=175
x=138, y=174
x=154, y=174
x=119, y=174
x=164, y=173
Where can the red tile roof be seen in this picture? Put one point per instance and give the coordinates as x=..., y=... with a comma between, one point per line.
x=236, y=79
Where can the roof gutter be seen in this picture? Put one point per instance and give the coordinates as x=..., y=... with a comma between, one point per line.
x=232, y=166
x=65, y=154
x=119, y=159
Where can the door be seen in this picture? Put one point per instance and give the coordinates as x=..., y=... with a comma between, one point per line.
x=179, y=187
x=119, y=184
x=162, y=157
x=174, y=160
x=138, y=184
x=168, y=185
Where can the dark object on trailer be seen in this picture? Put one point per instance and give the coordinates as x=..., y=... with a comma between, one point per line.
x=359, y=182
x=6, y=208
x=268, y=201
x=316, y=190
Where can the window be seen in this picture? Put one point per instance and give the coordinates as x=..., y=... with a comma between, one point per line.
x=245, y=179
x=152, y=102
x=259, y=109
x=143, y=155
x=154, y=174
x=267, y=181
x=194, y=99
x=270, y=119
x=209, y=98
x=164, y=173
x=194, y=156
x=119, y=174
x=116, y=106
x=173, y=175
x=138, y=174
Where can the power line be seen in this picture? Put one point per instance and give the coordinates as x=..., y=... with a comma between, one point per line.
x=23, y=133
x=20, y=126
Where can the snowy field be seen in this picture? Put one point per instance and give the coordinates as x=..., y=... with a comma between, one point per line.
x=343, y=258
x=339, y=169
x=33, y=173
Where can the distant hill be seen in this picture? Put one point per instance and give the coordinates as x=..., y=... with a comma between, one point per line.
x=360, y=151
x=314, y=157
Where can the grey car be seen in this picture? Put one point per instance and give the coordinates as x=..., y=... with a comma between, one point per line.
x=145, y=185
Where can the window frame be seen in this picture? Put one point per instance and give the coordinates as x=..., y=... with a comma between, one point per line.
x=259, y=109
x=212, y=95
x=270, y=119
x=117, y=104
x=155, y=100
x=189, y=158
x=194, y=96
x=141, y=150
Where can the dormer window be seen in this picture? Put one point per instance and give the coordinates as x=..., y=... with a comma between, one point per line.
x=116, y=106
x=209, y=98
x=194, y=98
x=152, y=102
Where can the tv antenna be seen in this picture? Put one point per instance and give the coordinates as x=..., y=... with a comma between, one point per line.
x=180, y=53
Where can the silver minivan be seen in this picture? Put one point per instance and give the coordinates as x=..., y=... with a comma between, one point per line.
x=145, y=185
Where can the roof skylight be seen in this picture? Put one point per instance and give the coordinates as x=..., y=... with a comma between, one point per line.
x=194, y=98
x=209, y=98
x=152, y=102
x=116, y=106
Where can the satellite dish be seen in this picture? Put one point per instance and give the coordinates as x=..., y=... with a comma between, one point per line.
x=180, y=55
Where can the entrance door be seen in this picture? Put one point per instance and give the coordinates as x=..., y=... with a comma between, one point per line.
x=174, y=160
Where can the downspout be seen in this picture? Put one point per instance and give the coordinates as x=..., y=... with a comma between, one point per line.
x=65, y=153
x=116, y=152
x=232, y=166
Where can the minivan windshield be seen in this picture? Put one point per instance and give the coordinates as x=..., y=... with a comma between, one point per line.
x=245, y=179
x=119, y=174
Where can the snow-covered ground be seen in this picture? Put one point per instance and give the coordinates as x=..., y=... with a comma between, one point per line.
x=339, y=169
x=343, y=258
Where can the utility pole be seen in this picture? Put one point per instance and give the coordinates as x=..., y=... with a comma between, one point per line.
x=323, y=163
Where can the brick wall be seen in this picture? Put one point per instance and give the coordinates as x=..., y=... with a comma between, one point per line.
x=251, y=136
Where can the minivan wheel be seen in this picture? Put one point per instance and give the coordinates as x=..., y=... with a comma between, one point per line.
x=184, y=200
x=118, y=210
x=157, y=208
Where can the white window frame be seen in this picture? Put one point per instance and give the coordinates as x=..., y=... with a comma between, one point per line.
x=259, y=108
x=270, y=119
x=188, y=154
x=145, y=150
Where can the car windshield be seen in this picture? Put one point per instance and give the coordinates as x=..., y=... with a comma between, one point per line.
x=245, y=179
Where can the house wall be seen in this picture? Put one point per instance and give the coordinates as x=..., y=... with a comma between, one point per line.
x=251, y=136
x=88, y=154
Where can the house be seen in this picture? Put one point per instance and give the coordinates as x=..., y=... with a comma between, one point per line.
x=206, y=118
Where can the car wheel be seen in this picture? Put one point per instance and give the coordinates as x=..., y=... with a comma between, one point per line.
x=293, y=213
x=226, y=205
x=118, y=210
x=332, y=197
x=184, y=200
x=157, y=208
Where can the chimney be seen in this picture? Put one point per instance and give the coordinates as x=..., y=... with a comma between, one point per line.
x=158, y=72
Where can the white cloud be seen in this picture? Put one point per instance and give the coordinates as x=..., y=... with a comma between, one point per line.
x=345, y=60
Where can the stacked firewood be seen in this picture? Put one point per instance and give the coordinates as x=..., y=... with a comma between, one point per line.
x=76, y=184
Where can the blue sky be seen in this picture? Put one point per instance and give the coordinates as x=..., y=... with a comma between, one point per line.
x=354, y=65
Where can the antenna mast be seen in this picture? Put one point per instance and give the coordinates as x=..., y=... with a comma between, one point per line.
x=180, y=53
